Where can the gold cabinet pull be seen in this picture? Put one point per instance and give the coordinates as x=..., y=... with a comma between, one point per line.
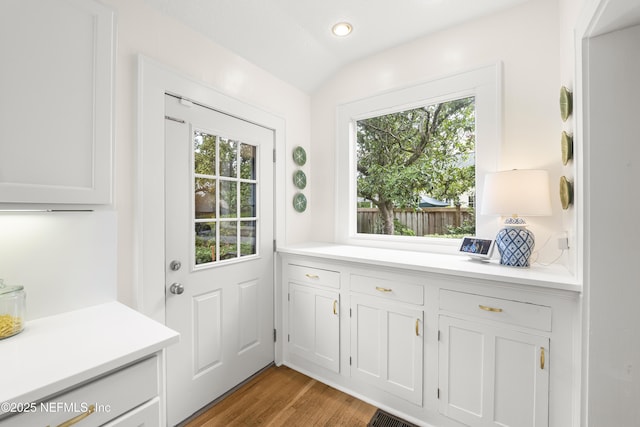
x=312, y=276
x=379, y=289
x=335, y=306
x=491, y=309
x=417, y=327
x=79, y=418
x=541, y=357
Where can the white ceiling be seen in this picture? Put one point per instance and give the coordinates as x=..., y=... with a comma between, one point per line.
x=292, y=39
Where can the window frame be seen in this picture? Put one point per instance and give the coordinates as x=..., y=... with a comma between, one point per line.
x=484, y=83
x=218, y=219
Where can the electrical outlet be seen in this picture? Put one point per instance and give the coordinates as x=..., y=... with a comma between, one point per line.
x=563, y=242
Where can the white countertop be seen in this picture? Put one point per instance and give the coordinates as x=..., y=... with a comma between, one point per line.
x=57, y=352
x=552, y=276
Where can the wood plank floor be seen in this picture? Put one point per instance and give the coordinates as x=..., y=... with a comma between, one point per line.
x=280, y=396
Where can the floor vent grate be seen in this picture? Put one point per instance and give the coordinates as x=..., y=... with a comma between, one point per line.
x=383, y=419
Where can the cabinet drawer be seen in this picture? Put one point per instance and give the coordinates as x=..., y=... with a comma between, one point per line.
x=392, y=289
x=97, y=402
x=147, y=415
x=497, y=309
x=313, y=276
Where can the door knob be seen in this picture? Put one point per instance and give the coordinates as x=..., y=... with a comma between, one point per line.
x=176, y=288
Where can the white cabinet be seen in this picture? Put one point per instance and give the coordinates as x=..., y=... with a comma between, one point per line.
x=101, y=401
x=434, y=347
x=109, y=369
x=314, y=315
x=387, y=344
x=493, y=361
x=56, y=109
x=314, y=325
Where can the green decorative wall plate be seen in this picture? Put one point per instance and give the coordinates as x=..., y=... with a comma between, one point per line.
x=566, y=193
x=566, y=103
x=300, y=179
x=299, y=202
x=299, y=156
x=566, y=143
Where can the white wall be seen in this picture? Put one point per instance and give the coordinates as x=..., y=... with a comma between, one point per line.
x=142, y=29
x=570, y=10
x=525, y=38
x=64, y=260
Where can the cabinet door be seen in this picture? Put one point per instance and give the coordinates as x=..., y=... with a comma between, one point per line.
x=387, y=346
x=56, y=108
x=492, y=376
x=314, y=325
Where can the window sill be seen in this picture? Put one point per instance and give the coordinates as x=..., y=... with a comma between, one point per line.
x=552, y=277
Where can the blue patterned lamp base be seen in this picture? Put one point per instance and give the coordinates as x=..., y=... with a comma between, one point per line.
x=515, y=244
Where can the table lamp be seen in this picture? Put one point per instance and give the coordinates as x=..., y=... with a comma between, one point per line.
x=514, y=193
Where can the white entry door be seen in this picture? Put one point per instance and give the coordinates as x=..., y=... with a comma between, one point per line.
x=219, y=253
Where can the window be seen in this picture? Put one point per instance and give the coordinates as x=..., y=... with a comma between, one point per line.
x=225, y=217
x=417, y=169
x=473, y=134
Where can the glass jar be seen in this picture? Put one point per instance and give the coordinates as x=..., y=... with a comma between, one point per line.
x=12, y=309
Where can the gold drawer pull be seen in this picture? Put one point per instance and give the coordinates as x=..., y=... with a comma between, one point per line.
x=379, y=289
x=417, y=327
x=312, y=276
x=541, y=357
x=335, y=306
x=491, y=309
x=79, y=418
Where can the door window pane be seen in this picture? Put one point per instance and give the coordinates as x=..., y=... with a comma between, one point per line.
x=247, y=238
x=228, y=239
x=205, y=242
x=228, y=157
x=247, y=200
x=228, y=199
x=205, y=198
x=247, y=161
x=204, y=150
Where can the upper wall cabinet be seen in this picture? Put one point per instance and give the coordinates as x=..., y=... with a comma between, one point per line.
x=56, y=101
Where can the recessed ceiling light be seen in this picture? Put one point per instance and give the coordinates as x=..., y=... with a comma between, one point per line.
x=341, y=29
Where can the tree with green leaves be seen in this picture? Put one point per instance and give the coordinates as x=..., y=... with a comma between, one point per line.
x=426, y=150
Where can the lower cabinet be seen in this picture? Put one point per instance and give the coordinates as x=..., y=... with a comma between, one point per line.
x=434, y=349
x=387, y=346
x=493, y=374
x=127, y=397
x=314, y=325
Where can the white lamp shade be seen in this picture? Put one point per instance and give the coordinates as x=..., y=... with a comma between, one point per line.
x=518, y=192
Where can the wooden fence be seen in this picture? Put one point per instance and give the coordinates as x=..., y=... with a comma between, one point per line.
x=423, y=222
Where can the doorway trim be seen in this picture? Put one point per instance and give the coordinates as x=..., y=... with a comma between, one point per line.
x=597, y=18
x=154, y=80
